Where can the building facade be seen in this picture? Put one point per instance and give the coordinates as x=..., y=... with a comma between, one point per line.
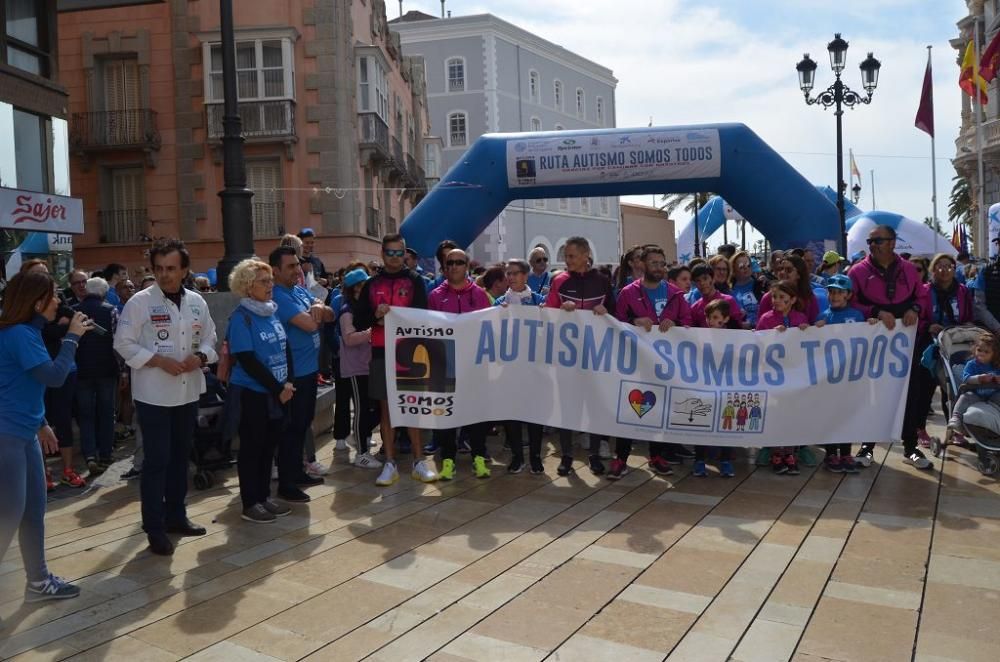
x=485, y=75
x=334, y=118
x=643, y=225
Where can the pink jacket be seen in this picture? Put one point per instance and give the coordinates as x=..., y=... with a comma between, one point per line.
x=736, y=315
x=772, y=320
x=633, y=304
x=812, y=310
x=446, y=299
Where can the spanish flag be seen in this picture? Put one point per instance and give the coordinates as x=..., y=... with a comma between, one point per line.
x=970, y=71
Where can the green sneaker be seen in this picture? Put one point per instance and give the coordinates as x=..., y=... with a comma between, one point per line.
x=479, y=467
x=447, y=471
x=763, y=457
x=806, y=456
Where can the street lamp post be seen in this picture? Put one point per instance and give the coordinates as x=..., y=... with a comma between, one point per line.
x=237, y=223
x=837, y=96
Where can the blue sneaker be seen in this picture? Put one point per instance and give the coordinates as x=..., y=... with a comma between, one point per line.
x=432, y=447
x=52, y=588
x=699, y=470
x=726, y=469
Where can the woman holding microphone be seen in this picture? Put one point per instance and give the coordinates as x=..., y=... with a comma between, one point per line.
x=25, y=371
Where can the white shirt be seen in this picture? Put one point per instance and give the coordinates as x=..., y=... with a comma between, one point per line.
x=151, y=324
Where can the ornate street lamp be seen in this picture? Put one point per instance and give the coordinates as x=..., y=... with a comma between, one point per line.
x=856, y=193
x=837, y=96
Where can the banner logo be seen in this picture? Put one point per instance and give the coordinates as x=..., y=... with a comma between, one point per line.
x=425, y=365
x=641, y=402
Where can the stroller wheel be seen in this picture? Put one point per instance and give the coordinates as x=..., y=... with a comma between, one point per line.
x=210, y=477
x=202, y=481
x=988, y=464
x=937, y=446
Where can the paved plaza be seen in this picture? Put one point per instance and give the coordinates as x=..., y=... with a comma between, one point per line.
x=889, y=564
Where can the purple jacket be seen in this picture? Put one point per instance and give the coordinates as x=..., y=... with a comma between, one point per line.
x=633, y=304
x=872, y=290
x=962, y=295
x=446, y=299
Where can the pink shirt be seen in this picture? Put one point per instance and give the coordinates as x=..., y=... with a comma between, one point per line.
x=772, y=319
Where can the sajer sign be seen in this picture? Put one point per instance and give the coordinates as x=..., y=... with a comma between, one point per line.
x=40, y=212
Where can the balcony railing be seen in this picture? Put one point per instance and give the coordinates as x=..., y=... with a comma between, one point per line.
x=374, y=225
x=411, y=166
x=115, y=129
x=268, y=219
x=260, y=119
x=123, y=226
x=397, y=152
x=374, y=135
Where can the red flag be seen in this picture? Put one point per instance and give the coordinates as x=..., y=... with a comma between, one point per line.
x=969, y=79
x=925, y=111
x=989, y=61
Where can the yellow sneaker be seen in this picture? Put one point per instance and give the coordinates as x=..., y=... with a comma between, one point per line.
x=447, y=470
x=479, y=467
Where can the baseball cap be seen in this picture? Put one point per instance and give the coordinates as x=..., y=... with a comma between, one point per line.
x=839, y=282
x=831, y=258
x=354, y=277
x=306, y=232
x=412, y=252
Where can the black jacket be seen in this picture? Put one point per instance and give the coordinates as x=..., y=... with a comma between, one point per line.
x=96, y=355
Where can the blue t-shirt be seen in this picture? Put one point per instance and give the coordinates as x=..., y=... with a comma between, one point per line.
x=22, y=397
x=973, y=368
x=822, y=297
x=113, y=298
x=747, y=300
x=265, y=337
x=693, y=295
x=305, y=346
x=846, y=315
x=657, y=297
x=539, y=283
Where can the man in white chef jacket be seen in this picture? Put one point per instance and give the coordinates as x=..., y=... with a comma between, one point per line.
x=166, y=335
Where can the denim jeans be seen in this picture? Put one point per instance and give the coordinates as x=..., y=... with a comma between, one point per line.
x=166, y=439
x=22, y=502
x=95, y=414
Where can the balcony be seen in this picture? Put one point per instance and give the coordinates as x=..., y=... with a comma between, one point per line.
x=268, y=219
x=374, y=138
x=123, y=226
x=263, y=121
x=114, y=130
x=374, y=223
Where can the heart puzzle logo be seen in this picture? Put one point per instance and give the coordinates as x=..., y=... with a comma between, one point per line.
x=641, y=402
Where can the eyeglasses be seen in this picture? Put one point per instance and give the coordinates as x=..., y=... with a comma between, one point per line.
x=878, y=241
x=511, y=274
x=455, y=263
x=539, y=259
x=394, y=252
x=263, y=281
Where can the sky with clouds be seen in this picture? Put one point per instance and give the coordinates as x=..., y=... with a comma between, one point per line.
x=699, y=61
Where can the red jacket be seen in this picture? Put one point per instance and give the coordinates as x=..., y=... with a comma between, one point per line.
x=403, y=288
x=586, y=290
x=633, y=304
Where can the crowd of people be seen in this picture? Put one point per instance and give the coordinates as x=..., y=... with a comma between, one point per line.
x=105, y=348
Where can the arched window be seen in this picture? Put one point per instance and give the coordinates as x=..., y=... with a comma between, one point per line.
x=455, y=70
x=533, y=86
x=457, y=129
x=557, y=94
x=579, y=103
x=561, y=255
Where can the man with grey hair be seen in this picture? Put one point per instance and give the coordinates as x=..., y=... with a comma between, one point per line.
x=97, y=378
x=539, y=280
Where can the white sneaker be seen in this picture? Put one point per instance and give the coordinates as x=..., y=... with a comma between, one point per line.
x=315, y=468
x=341, y=445
x=367, y=461
x=605, y=450
x=423, y=473
x=917, y=459
x=388, y=476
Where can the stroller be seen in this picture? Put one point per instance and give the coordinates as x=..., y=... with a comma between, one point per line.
x=982, y=420
x=211, y=450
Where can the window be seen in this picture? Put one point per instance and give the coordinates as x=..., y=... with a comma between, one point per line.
x=264, y=178
x=432, y=157
x=263, y=70
x=561, y=254
x=31, y=151
x=25, y=37
x=563, y=204
x=605, y=207
x=121, y=83
x=457, y=131
x=557, y=94
x=123, y=216
x=456, y=74
x=579, y=103
x=536, y=124
x=584, y=205
x=600, y=111
x=373, y=87
x=533, y=86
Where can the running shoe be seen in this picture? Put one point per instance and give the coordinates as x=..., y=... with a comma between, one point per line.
x=275, y=508
x=833, y=464
x=763, y=457
x=50, y=483
x=536, y=465
x=516, y=465
x=848, y=464
x=683, y=452
x=565, y=466
x=778, y=464
x=94, y=467
x=431, y=448
x=917, y=459
x=341, y=445
x=596, y=466
x=699, y=470
x=258, y=513
x=72, y=479
x=315, y=468
x=865, y=457
x=423, y=472
x=367, y=461
x=132, y=474
x=923, y=438
x=479, y=467
x=447, y=470
x=389, y=475
x=806, y=456
x=617, y=470
x=726, y=469
x=50, y=588
x=660, y=466
x=792, y=463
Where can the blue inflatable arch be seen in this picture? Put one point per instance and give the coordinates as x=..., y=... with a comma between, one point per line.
x=728, y=159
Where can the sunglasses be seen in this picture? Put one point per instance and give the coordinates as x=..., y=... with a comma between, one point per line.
x=455, y=263
x=878, y=241
x=539, y=259
x=394, y=252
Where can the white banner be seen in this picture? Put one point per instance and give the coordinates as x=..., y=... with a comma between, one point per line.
x=578, y=371
x=618, y=157
x=40, y=212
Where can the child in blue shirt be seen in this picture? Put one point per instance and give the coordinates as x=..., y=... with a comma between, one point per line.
x=984, y=368
x=838, y=288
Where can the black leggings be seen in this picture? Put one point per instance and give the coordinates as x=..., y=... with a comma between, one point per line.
x=477, y=440
x=259, y=434
x=837, y=449
x=366, y=415
x=623, y=448
x=514, y=439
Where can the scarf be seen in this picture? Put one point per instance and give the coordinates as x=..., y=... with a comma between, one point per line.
x=945, y=314
x=517, y=297
x=259, y=308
